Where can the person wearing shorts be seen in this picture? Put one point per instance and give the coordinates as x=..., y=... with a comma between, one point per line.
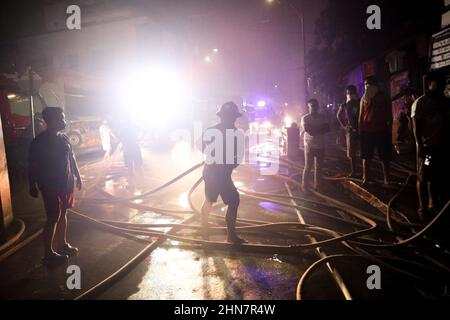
x=350, y=125
x=314, y=127
x=431, y=125
x=375, y=129
x=52, y=171
x=217, y=171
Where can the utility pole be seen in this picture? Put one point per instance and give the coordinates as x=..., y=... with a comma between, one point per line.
x=300, y=13
x=30, y=79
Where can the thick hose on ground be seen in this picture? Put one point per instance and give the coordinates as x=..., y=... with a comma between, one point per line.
x=147, y=193
x=15, y=237
x=339, y=238
x=16, y=247
x=20, y=245
x=121, y=272
x=394, y=198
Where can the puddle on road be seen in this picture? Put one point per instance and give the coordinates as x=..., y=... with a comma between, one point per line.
x=177, y=274
x=275, y=258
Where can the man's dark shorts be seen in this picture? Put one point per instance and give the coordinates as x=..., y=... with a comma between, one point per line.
x=56, y=203
x=434, y=169
x=220, y=184
x=376, y=140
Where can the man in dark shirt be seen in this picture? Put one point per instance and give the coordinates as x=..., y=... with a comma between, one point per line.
x=430, y=115
x=351, y=111
x=219, y=167
x=52, y=171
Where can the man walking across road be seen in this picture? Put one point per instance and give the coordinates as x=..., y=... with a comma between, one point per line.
x=220, y=145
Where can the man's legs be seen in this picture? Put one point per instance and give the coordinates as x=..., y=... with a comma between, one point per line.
x=367, y=146
x=431, y=196
x=319, y=157
x=309, y=158
x=366, y=163
x=60, y=239
x=386, y=170
x=351, y=153
x=49, y=234
x=421, y=193
x=205, y=211
x=230, y=219
x=53, y=215
x=352, y=167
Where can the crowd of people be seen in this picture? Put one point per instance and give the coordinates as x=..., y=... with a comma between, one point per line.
x=367, y=123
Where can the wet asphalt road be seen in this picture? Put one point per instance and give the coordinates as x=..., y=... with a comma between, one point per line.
x=176, y=270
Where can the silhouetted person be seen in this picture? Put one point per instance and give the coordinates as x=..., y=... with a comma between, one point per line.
x=430, y=115
x=106, y=135
x=375, y=128
x=132, y=155
x=314, y=127
x=218, y=169
x=52, y=171
x=350, y=125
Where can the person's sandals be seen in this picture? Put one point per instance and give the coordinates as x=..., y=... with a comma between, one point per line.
x=54, y=259
x=67, y=250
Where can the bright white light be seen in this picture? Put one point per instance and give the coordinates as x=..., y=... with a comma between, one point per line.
x=208, y=59
x=267, y=125
x=288, y=121
x=261, y=104
x=181, y=152
x=215, y=50
x=11, y=96
x=183, y=200
x=238, y=184
x=152, y=95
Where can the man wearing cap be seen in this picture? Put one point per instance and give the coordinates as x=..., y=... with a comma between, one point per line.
x=222, y=151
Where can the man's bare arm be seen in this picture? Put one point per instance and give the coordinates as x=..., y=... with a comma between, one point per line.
x=338, y=116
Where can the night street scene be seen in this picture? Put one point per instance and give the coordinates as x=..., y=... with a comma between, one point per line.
x=225, y=150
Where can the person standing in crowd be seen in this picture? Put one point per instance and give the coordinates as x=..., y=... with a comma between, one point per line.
x=218, y=169
x=314, y=127
x=430, y=115
x=52, y=170
x=350, y=126
x=106, y=135
x=132, y=155
x=405, y=130
x=375, y=129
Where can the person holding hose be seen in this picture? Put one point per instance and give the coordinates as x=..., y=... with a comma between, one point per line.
x=222, y=151
x=52, y=170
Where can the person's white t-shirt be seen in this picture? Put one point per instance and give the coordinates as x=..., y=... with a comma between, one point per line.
x=314, y=121
x=105, y=136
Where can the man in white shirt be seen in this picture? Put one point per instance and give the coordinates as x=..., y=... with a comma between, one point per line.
x=314, y=127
